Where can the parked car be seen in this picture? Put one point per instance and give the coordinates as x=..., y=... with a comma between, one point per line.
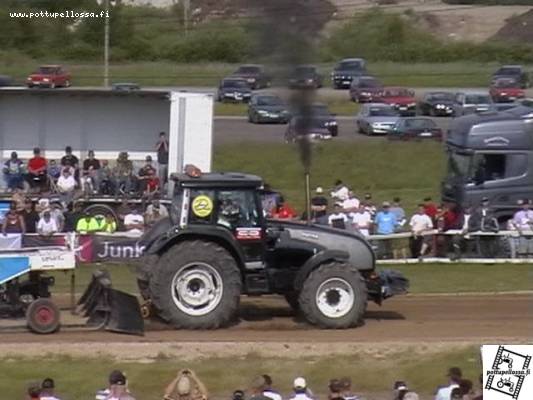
x=305, y=76
x=472, y=102
x=506, y=90
x=364, y=89
x=402, y=99
x=235, y=90
x=415, y=128
x=254, y=75
x=321, y=124
x=516, y=72
x=267, y=108
x=376, y=118
x=437, y=104
x=6, y=80
x=344, y=72
x=125, y=86
x=51, y=76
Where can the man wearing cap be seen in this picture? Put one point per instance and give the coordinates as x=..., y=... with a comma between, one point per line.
x=386, y=224
x=454, y=375
x=300, y=390
x=319, y=205
x=117, y=389
x=48, y=390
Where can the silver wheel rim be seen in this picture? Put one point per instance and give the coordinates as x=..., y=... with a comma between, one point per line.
x=335, y=298
x=197, y=289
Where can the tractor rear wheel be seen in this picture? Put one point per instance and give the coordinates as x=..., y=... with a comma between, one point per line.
x=42, y=316
x=196, y=285
x=334, y=296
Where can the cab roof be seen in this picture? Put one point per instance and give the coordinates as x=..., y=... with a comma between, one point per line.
x=218, y=180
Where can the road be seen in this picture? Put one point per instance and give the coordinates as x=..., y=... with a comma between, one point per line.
x=405, y=319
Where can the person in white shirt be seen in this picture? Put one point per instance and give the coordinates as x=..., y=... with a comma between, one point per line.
x=47, y=226
x=361, y=220
x=455, y=375
x=301, y=392
x=338, y=219
x=340, y=192
x=420, y=223
x=47, y=390
x=351, y=203
x=134, y=222
x=66, y=185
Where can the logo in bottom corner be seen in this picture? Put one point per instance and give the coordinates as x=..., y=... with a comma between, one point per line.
x=506, y=373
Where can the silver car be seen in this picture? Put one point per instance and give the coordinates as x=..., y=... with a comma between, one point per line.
x=472, y=102
x=376, y=118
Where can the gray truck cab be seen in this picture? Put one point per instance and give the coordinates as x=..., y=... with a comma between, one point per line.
x=490, y=155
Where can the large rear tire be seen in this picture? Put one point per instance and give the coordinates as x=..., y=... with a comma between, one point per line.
x=43, y=316
x=334, y=296
x=196, y=285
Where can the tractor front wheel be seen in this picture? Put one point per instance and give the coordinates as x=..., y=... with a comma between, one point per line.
x=334, y=296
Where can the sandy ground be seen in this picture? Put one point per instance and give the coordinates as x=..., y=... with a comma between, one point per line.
x=455, y=22
x=267, y=327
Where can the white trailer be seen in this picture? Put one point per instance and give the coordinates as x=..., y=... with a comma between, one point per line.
x=107, y=121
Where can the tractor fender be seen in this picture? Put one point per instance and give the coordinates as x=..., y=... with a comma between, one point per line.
x=315, y=261
x=220, y=236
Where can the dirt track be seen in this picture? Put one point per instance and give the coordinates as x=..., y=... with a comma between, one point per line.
x=405, y=321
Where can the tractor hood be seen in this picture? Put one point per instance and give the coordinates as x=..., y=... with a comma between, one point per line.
x=317, y=238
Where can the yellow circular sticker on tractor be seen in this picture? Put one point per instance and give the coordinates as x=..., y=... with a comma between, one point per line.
x=202, y=206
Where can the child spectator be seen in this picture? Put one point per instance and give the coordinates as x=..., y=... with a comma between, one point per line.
x=420, y=223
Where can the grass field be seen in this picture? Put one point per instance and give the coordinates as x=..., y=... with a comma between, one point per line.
x=409, y=170
x=80, y=378
x=458, y=74
x=424, y=278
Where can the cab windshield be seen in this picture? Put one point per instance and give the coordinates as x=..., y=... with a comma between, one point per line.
x=459, y=165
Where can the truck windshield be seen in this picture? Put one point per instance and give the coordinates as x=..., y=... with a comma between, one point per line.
x=459, y=165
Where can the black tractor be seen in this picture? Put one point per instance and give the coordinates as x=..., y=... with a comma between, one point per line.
x=217, y=245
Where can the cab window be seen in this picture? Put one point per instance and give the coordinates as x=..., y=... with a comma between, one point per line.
x=490, y=167
x=237, y=208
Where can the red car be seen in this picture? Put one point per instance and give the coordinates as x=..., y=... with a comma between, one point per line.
x=50, y=76
x=506, y=90
x=402, y=99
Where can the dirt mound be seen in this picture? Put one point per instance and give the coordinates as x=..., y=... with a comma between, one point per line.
x=518, y=29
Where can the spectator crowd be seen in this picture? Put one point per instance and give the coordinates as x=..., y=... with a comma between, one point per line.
x=188, y=386
x=428, y=225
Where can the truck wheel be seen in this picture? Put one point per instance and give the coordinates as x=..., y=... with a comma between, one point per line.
x=334, y=296
x=42, y=316
x=196, y=285
x=144, y=272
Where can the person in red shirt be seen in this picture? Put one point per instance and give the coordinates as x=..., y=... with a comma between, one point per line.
x=285, y=211
x=430, y=208
x=37, y=176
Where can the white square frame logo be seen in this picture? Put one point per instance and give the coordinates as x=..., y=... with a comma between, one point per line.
x=506, y=372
